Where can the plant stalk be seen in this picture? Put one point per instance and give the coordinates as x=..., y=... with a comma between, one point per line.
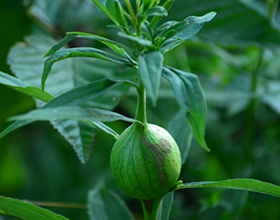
x=150, y=208
x=141, y=104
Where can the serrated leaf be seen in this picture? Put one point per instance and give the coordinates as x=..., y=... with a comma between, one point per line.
x=188, y=91
x=104, y=204
x=27, y=64
x=251, y=185
x=73, y=97
x=25, y=210
x=150, y=67
x=181, y=31
x=23, y=87
x=72, y=113
x=181, y=131
x=78, y=52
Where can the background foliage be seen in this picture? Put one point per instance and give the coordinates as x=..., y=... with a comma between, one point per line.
x=236, y=57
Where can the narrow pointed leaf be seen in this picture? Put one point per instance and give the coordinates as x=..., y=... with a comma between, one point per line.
x=114, y=45
x=150, y=68
x=104, y=204
x=178, y=32
x=114, y=7
x=251, y=185
x=156, y=11
x=73, y=97
x=25, y=210
x=165, y=206
x=105, y=128
x=72, y=113
x=189, y=94
x=138, y=40
x=23, y=87
x=78, y=52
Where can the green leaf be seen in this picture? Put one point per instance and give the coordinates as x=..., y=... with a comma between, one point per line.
x=24, y=87
x=178, y=32
x=104, y=204
x=25, y=210
x=251, y=185
x=237, y=22
x=155, y=11
x=147, y=30
x=165, y=206
x=114, y=45
x=27, y=64
x=72, y=113
x=78, y=52
x=181, y=131
x=189, y=93
x=138, y=40
x=73, y=97
x=150, y=67
x=115, y=9
x=105, y=128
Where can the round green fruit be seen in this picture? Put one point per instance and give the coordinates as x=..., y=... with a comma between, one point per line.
x=145, y=161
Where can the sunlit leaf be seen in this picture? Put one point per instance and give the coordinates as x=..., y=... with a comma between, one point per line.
x=25, y=210
x=251, y=185
x=23, y=87
x=72, y=113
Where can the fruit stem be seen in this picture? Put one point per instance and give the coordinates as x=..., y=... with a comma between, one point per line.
x=141, y=104
x=150, y=208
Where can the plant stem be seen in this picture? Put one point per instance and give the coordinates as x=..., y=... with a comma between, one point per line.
x=141, y=104
x=252, y=108
x=150, y=208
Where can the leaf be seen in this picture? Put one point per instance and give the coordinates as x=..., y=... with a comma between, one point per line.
x=27, y=64
x=237, y=22
x=115, y=9
x=181, y=31
x=65, y=14
x=165, y=206
x=150, y=67
x=72, y=113
x=71, y=98
x=190, y=96
x=114, y=45
x=271, y=95
x=155, y=11
x=105, y=128
x=251, y=185
x=181, y=131
x=138, y=40
x=104, y=204
x=78, y=52
x=25, y=210
x=24, y=87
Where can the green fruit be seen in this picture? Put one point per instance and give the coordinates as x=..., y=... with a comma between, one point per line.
x=145, y=161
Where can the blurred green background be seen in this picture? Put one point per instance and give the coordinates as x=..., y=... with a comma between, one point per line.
x=236, y=57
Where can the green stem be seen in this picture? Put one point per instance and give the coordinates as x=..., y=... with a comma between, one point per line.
x=150, y=208
x=252, y=109
x=130, y=9
x=141, y=104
